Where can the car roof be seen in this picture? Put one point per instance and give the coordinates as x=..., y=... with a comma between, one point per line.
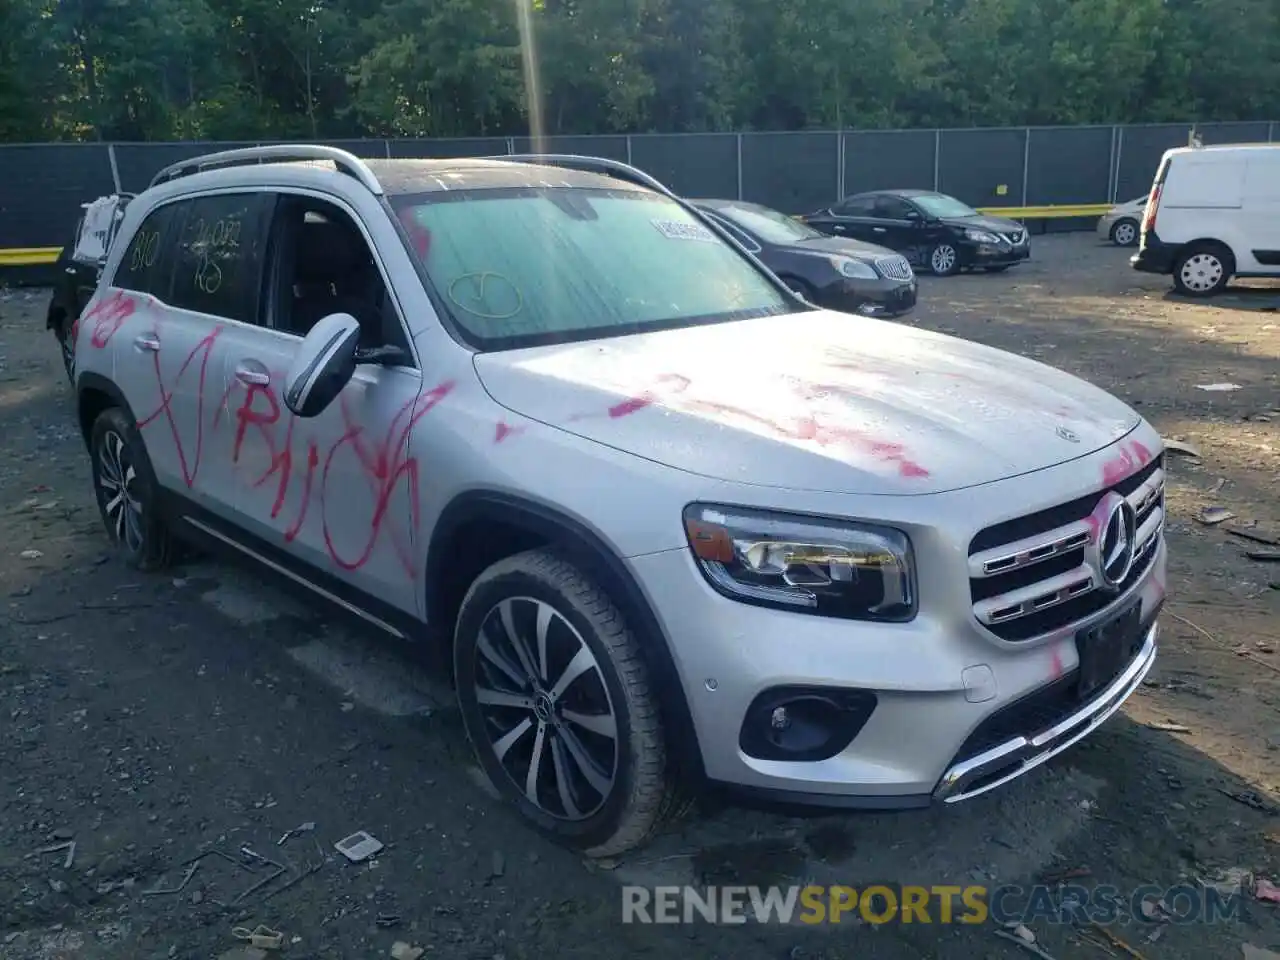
x=895, y=192
x=471, y=173
x=416, y=176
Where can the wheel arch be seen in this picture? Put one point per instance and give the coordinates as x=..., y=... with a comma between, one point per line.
x=478, y=528
x=1208, y=242
x=95, y=393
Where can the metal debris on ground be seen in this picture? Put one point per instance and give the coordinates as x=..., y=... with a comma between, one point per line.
x=1218, y=485
x=1169, y=727
x=403, y=951
x=360, y=846
x=261, y=936
x=68, y=845
x=1211, y=516
x=1177, y=446
x=1251, y=535
x=1218, y=387
x=303, y=828
x=164, y=891
x=386, y=920
x=1264, y=556
x=1115, y=941
x=1024, y=944
x=1248, y=798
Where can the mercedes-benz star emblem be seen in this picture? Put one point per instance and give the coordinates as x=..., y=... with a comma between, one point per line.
x=1112, y=550
x=1067, y=435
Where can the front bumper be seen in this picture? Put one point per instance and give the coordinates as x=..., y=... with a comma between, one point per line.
x=997, y=255
x=870, y=298
x=956, y=711
x=1105, y=224
x=1011, y=759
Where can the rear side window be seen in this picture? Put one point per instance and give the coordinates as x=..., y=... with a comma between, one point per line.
x=219, y=255
x=144, y=268
x=856, y=207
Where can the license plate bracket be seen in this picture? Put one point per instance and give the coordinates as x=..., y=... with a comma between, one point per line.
x=1105, y=649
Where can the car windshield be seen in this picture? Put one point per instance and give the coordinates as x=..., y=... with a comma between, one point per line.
x=769, y=225
x=526, y=266
x=941, y=206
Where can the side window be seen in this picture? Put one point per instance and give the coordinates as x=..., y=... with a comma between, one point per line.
x=323, y=264
x=220, y=253
x=855, y=207
x=892, y=208
x=145, y=264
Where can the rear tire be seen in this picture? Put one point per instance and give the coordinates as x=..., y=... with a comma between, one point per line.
x=1203, y=270
x=127, y=493
x=1124, y=233
x=558, y=705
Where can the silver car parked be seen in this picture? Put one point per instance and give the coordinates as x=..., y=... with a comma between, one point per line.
x=672, y=523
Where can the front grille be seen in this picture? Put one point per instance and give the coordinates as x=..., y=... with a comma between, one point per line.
x=894, y=268
x=1030, y=576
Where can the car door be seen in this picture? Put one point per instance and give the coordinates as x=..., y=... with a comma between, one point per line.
x=335, y=494
x=896, y=224
x=211, y=256
x=853, y=217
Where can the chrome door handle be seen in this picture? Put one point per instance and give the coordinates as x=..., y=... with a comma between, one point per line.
x=839, y=226
x=147, y=343
x=252, y=377
x=878, y=229
x=71, y=270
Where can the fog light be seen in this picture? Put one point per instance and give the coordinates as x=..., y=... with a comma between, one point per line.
x=804, y=723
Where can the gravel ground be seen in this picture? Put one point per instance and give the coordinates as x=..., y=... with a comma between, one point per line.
x=152, y=718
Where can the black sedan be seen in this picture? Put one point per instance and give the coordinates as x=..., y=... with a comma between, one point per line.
x=827, y=271
x=74, y=285
x=931, y=229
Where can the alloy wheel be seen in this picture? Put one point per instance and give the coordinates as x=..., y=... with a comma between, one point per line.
x=546, y=708
x=1201, y=272
x=943, y=259
x=116, y=480
x=1124, y=233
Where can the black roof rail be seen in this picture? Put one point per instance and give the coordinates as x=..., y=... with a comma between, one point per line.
x=347, y=163
x=601, y=165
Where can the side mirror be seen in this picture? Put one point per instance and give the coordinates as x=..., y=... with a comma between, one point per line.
x=324, y=365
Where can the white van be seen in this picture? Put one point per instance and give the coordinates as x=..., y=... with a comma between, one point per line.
x=1214, y=214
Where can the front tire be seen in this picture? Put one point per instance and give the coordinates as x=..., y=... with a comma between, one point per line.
x=944, y=260
x=127, y=493
x=1203, y=270
x=557, y=703
x=1124, y=233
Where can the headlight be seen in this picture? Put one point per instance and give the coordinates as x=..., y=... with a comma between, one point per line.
x=851, y=570
x=854, y=269
x=981, y=236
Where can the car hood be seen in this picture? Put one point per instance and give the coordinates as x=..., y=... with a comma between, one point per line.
x=814, y=400
x=996, y=224
x=850, y=248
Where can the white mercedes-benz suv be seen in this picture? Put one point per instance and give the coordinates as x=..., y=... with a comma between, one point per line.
x=673, y=523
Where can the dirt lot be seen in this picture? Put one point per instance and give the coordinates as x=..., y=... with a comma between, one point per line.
x=150, y=718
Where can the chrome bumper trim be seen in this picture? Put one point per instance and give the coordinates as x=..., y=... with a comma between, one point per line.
x=1028, y=752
